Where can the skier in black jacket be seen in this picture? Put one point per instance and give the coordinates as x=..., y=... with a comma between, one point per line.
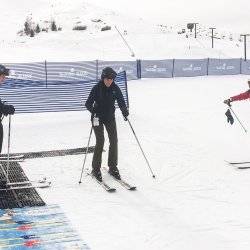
x=101, y=104
x=4, y=108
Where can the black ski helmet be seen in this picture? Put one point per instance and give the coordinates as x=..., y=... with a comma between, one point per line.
x=4, y=70
x=108, y=73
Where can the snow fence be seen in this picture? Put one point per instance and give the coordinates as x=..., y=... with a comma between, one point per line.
x=65, y=86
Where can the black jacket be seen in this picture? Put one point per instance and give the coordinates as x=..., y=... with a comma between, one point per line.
x=6, y=109
x=101, y=101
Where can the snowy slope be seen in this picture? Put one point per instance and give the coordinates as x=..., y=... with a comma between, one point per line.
x=224, y=14
x=196, y=202
x=150, y=33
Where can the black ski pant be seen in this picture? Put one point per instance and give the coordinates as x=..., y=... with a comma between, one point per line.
x=110, y=127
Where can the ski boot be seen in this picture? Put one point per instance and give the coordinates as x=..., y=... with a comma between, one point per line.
x=97, y=174
x=114, y=172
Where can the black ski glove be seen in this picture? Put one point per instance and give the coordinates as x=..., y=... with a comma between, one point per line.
x=229, y=116
x=125, y=114
x=8, y=109
x=228, y=102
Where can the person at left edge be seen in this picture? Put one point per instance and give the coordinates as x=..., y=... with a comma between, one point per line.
x=4, y=108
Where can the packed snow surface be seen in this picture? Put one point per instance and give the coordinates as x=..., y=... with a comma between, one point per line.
x=197, y=200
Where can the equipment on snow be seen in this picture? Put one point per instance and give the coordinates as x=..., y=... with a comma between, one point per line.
x=229, y=116
x=96, y=173
x=228, y=102
x=238, y=162
x=123, y=183
x=12, y=157
x=114, y=172
x=103, y=185
x=26, y=186
x=244, y=167
x=43, y=181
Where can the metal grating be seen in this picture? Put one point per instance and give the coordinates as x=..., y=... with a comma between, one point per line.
x=17, y=198
x=53, y=153
x=28, y=196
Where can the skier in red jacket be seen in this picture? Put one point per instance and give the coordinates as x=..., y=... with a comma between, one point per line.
x=243, y=96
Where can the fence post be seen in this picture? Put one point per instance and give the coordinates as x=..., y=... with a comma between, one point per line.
x=240, y=65
x=207, y=65
x=173, y=68
x=138, y=61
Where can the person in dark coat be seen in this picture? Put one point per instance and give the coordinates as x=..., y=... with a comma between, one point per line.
x=4, y=108
x=101, y=104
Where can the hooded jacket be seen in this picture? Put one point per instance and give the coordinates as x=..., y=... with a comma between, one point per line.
x=101, y=101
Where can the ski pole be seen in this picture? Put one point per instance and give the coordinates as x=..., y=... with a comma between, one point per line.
x=237, y=118
x=8, y=153
x=87, y=149
x=153, y=175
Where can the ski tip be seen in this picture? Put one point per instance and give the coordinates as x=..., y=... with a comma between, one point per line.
x=243, y=167
x=132, y=188
x=111, y=190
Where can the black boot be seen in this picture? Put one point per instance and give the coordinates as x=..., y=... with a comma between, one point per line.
x=114, y=172
x=97, y=174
